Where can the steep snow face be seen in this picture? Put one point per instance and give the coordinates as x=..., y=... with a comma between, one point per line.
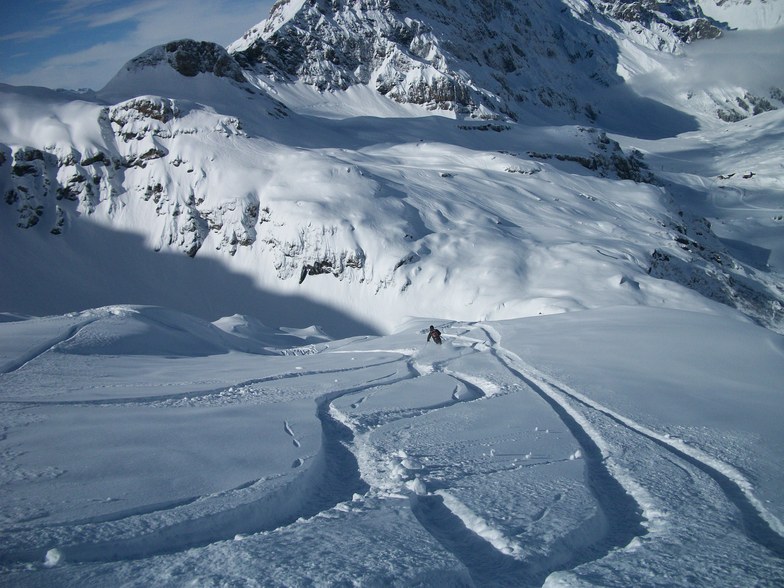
x=465, y=221
x=390, y=227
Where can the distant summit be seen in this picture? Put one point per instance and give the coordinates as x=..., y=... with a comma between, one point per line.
x=481, y=60
x=184, y=69
x=190, y=58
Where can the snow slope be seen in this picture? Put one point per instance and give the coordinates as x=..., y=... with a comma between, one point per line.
x=746, y=14
x=617, y=447
x=367, y=216
x=216, y=282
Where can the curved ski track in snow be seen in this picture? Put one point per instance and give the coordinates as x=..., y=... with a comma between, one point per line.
x=332, y=477
x=491, y=561
x=335, y=475
x=42, y=348
x=238, y=393
x=759, y=524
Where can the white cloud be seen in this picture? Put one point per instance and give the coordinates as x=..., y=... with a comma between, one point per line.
x=137, y=12
x=749, y=59
x=31, y=34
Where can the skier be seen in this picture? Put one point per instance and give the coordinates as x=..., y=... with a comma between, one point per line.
x=435, y=334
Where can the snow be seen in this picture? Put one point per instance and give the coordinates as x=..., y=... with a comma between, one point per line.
x=268, y=412
x=591, y=442
x=707, y=75
x=745, y=15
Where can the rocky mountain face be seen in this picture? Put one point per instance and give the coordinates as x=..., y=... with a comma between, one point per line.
x=40, y=184
x=190, y=58
x=662, y=23
x=484, y=59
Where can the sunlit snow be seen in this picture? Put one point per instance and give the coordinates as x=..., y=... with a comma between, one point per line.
x=237, y=418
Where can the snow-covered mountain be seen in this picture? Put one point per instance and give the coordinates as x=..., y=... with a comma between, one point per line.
x=217, y=275
x=374, y=156
x=489, y=60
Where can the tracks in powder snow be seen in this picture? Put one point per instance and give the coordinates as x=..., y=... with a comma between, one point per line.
x=624, y=503
x=38, y=350
x=485, y=556
x=621, y=517
x=757, y=523
x=334, y=476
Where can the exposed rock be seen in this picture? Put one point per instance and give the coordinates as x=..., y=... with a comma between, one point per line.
x=29, y=184
x=609, y=159
x=699, y=261
x=190, y=58
x=59, y=223
x=479, y=59
x=684, y=19
x=332, y=265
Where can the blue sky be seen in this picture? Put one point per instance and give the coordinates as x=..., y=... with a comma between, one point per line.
x=83, y=43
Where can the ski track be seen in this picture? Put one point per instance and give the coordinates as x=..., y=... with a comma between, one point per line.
x=224, y=395
x=625, y=505
x=759, y=525
x=623, y=515
x=740, y=194
x=39, y=350
x=334, y=476
x=488, y=561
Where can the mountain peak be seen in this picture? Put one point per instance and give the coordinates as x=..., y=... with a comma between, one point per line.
x=335, y=45
x=190, y=58
x=152, y=71
x=484, y=60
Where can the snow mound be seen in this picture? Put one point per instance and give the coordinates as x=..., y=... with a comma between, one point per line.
x=154, y=331
x=254, y=332
x=138, y=330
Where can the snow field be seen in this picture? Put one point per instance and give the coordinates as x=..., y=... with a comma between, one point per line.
x=421, y=219
x=626, y=433
x=457, y=464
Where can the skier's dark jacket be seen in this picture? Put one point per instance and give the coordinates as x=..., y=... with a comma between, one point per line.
x=435, y=334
